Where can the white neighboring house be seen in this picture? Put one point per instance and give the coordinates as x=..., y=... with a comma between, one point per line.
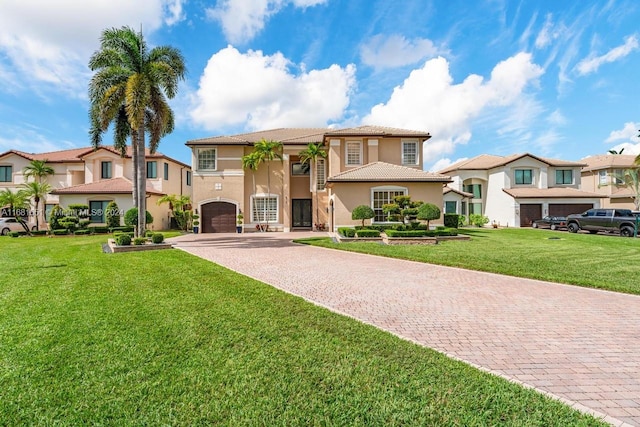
x=515, y=190
x=455, y=201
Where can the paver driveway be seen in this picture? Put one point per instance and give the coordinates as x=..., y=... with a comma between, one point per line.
x=580, y=345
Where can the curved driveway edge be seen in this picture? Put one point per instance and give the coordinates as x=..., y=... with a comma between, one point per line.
x=577, y=344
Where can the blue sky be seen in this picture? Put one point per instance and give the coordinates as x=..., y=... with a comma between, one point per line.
x=553, y=78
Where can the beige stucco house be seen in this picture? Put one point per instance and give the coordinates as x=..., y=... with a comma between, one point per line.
x=515, y=190
x=96, y=177
x=601, y=174
x=364, y=165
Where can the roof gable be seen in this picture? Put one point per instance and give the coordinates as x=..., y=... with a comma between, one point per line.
x=488, y=161
x=386, y=172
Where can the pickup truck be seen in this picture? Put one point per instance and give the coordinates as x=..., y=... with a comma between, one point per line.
x=621, y=221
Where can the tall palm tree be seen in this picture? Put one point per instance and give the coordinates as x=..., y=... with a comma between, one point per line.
x=311, y=154
x=15, y=200
x=250, y=161
x=37, y=191
x=130, y=89
x=267, y=151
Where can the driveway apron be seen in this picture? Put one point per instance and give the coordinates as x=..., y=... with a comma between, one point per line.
x=579, y=345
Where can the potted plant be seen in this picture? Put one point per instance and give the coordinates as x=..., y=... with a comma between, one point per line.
x=239, y=222
x=195, y=223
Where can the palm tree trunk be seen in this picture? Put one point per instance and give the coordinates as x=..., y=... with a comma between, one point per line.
x=141, y=181
x=266, y=200
x=134, y=167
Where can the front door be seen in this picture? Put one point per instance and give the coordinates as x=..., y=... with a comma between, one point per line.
x=301, y=212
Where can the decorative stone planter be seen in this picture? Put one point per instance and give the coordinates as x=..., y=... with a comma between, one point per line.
x=137, y=248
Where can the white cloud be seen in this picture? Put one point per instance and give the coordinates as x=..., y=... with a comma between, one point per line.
x=629, y=137
x=429, y=100
x=241, y=20
x=592, y=63
x=549, y=33
x=396, y=51
x=259, y=90
x=557, y=118
x=50, y=42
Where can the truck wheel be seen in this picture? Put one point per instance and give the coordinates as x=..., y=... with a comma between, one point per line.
x=553, y=226
x=573, y=228
x=626, y=232
x=534, y=225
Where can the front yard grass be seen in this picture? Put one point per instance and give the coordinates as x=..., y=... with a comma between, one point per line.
x=165, y=338
x=597, y=261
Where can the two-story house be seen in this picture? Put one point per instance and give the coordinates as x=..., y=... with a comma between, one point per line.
x=97, y=177
x=367, y=165
x=604, y=175
x=515, y=190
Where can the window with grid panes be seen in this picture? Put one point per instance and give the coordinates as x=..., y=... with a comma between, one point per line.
x=383, y=197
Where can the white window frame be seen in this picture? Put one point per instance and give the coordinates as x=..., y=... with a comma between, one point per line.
x=407, y=143
x=347, y=144
x=602, y=177
x=256, y=216
x=388, y=189
x=321, y=175
x=215, y=158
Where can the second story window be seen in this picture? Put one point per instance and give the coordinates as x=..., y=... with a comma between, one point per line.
x=524, y=177
x=105, y=172
x=618, y=177
x=602, y=177
x=564, y=176
x=6, y=173
x=410, y=153
x=152, y=169
x=475, y=189
x=298, y=169
x=354, y=153
x=207, y=159
x=166, y=171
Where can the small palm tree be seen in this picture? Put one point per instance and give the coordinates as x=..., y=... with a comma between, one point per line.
x=130, y=89
x=14, y=200
x=267, y=151
x=176, y=203
x=37, y=191
x=250, y=161
x=37, y=169
x=311, y=154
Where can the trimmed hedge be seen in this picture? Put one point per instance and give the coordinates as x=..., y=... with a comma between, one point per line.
x=367, y=233
x=347, y=231
x=157, y=237
x=98, y=229
x=451, y=220
x=124, y=229
x=441, y=231
x=139, y=241
x=60, y=232
x=122, y=239
x=379, y=227
x=15, y=233
x=39, y=232
x=82, y=232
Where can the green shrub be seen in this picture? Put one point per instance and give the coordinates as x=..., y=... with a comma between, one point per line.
x=447, y=231
x=157, y=238
x=78, y=210
x=131, y=217
x=407, y=233
x=451, y=220
x=148, y=233
x=362, y=212
x=119, y=233
x=112, y=215
x=122, y=239
x=347, y=231
x=379, y=227
x=98, y=229
x=56, y=214
x=82, y=232
x=13, y=233
x=478, y=220
x=428, y=212
x=84, y=223
x=125, y=229
x=39, y=232
x=367, y=233
x=139, y=241
x=60, y=232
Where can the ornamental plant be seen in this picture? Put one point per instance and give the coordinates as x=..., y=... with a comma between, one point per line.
x=362, y=212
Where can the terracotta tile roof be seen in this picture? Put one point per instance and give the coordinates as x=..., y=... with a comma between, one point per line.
x=384, y=172
x=76, y=155
x=550, y=193
x=608, y=161
x=488, y=161
x=284, y=135
x=448, y=189
x=105, y=186
x=289, y=136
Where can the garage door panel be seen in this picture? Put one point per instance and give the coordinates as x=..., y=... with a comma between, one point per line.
x=529, y=213
x=218, y=217
x=564, y=209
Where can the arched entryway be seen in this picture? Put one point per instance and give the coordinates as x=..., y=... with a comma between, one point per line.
x=218, y=217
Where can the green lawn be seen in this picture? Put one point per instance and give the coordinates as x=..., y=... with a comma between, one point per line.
x=597, y=261
x=165, y=338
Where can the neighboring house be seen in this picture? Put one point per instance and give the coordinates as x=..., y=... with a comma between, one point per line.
x=599, y=176
x=518, y=189
x=364, y=165
x=96, y=177
x=455, y=201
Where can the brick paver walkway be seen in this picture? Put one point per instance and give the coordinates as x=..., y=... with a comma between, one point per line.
x=580, y=345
